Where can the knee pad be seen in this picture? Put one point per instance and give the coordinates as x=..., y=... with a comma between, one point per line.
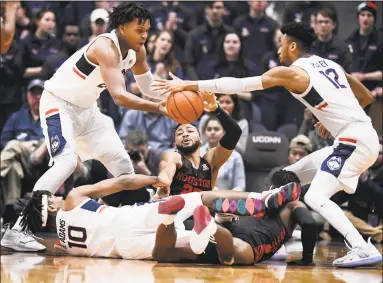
x=117, y=162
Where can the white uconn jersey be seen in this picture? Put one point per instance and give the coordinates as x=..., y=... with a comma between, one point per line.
x=79, y=81
x=329, y=96
x=87, y=230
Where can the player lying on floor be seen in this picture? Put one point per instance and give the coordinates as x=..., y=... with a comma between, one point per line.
x=88, y=228
x=247, y=240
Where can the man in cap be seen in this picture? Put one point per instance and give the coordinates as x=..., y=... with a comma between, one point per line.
x=99, y=20
x=24, y=153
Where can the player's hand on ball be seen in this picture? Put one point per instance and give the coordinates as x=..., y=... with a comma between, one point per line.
x=209, y=101
x=322, y=131
x=162, y=108
x=170, y=86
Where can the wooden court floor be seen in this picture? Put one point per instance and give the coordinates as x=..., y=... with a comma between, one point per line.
x=44, y=268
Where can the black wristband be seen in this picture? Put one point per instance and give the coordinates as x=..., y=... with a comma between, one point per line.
x=232, y=130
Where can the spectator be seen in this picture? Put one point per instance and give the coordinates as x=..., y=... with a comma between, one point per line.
x=163, y=60
x=204, y=41
x=231, y=62
x=256, y=27
x=149, y=44
x=278, y=106
x=299, y=147
x=327, y=45
x=308, y=129
x=366, y=47
x=146, y=160
x=175, y=17
x=24, y=125
x=231, y=175
x=85, y=24
x=230, y=103
x=11, y=74
x=303, y=11
x=37, y=47
x=24, y=155
x=70, y=41
x=99, y=19
x=159, y=128
x=23, y=23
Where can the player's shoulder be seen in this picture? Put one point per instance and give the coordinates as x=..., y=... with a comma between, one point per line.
x=172, y=156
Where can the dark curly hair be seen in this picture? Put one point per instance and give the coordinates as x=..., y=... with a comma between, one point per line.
x=301, y=33
x=126, y=12
x=283, y=177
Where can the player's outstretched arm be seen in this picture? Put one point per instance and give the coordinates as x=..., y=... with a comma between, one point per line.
x=361, y=93
x=288, y=77
x=143, y=75
x=8, y=25
x=115, y=185
x=220, y=154
x=168, y=166
x=106, y=55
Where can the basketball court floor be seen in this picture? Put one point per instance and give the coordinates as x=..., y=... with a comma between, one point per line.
x=48, y=267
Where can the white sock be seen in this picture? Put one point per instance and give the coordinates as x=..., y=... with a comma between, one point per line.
x=323, y=187
x=168, y=220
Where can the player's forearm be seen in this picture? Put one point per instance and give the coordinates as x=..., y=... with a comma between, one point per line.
x=136, y=181
x=229, y=85
x=144, y=81
x=131, y=101
x=373, y=76
x=232, y=129
x=8, y=28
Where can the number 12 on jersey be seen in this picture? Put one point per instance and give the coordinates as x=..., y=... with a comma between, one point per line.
x=333, y=77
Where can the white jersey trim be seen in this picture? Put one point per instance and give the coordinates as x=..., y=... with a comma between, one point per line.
x=303, y=94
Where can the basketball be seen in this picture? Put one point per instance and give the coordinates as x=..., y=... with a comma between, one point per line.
x=184, y=107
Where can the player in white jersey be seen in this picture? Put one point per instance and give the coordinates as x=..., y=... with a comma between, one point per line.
x=336, y=99
x=73, y=125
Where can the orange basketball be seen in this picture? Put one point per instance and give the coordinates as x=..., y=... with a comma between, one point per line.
x=184, y=107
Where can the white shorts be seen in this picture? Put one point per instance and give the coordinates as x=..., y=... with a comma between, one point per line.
x=355, y=149
x=84, y=131
x=135, y=230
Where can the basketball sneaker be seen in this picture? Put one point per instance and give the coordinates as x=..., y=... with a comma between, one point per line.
x=21, y=241
x=365, y=256
x=281, y=196
x=204, y=228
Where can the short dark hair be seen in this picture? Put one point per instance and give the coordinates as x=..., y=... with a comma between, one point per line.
x=179, y=125
x=126, y=12
x=137, y=138
x=301, y=33
x=283, y=177
x=328, y=13
x=211, y=3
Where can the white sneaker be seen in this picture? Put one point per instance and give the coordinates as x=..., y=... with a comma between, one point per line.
x=204, y=227
x=22, y=241
x=366, y=256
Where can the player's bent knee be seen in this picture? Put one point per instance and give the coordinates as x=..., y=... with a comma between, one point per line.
x=315, y=200
x=117, y=162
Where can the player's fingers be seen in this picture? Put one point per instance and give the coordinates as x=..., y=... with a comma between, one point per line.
x=174, y=77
